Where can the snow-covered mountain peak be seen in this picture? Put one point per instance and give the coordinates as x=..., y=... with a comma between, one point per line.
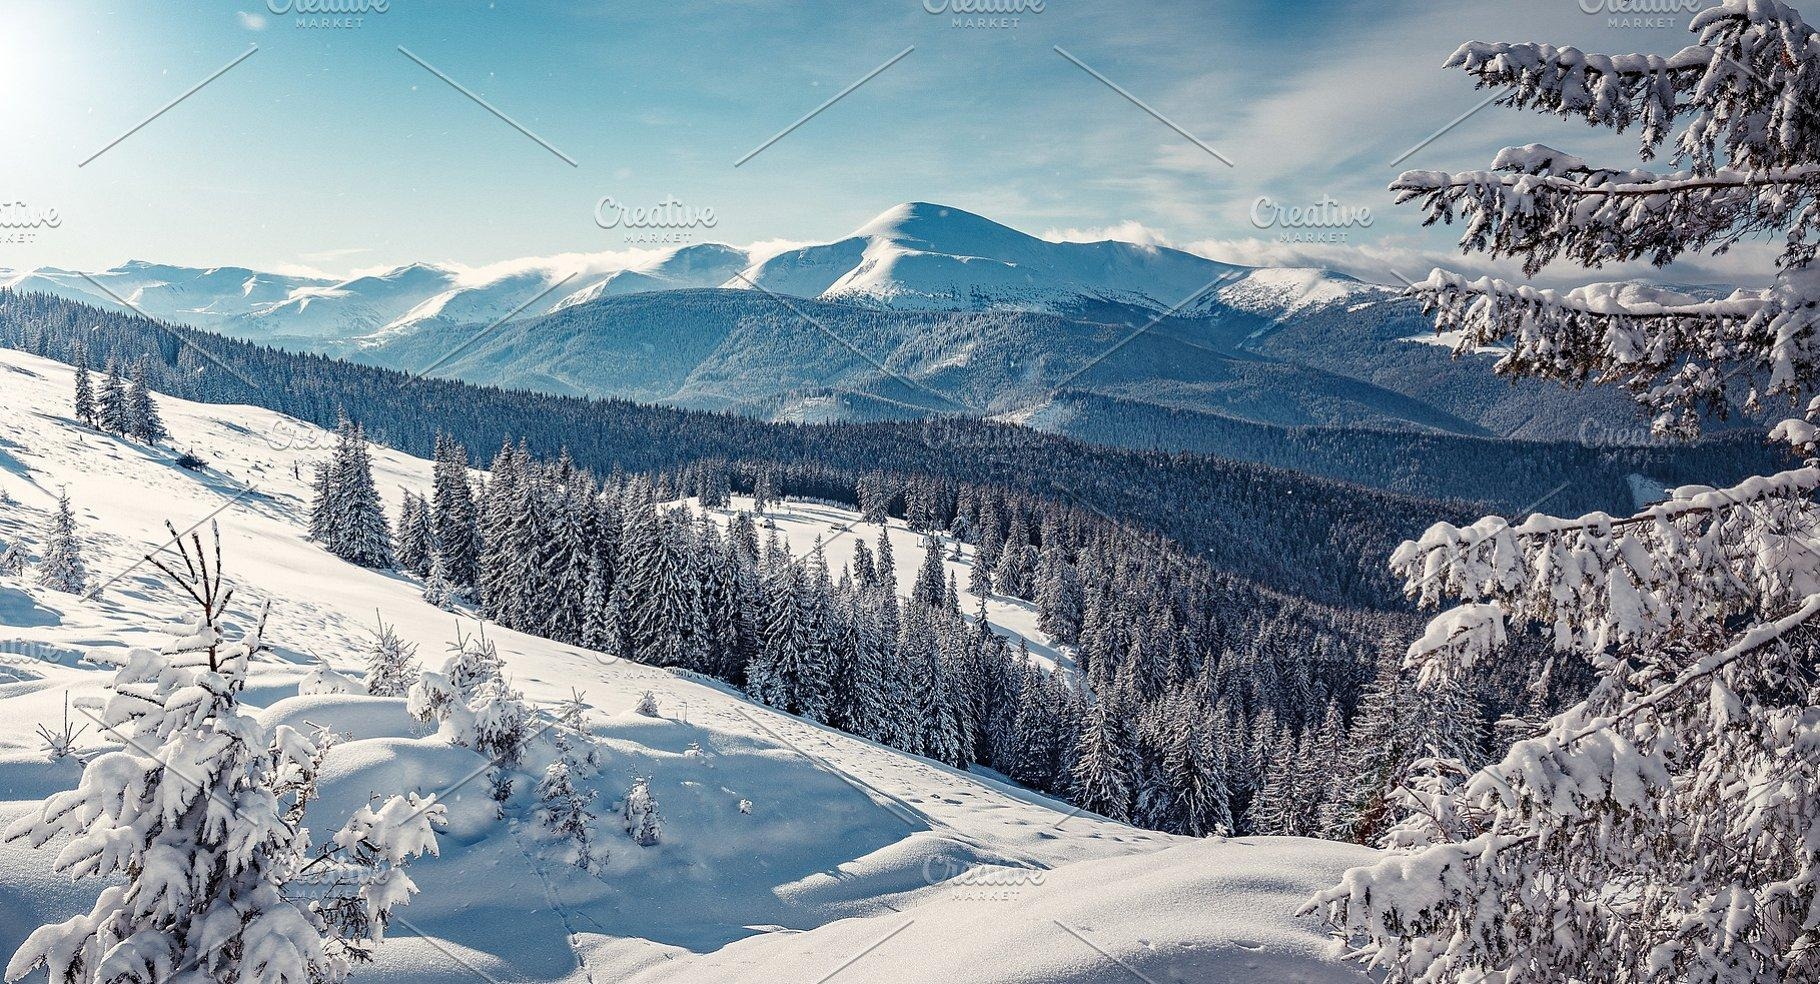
x=930, y=256
x=928, y=227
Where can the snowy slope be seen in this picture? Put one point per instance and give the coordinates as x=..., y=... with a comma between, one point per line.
x=846, y=843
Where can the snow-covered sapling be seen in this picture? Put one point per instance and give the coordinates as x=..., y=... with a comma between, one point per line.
x=60, y=743
x=12, y=560
x=323, y=679
x=639, y=810
x=391, y=662
x=647, y=705
x=194, y=826
x=565, y=813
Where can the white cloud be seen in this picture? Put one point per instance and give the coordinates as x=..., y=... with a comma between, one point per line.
x=764, y=249
x=1128, y=231
x=250, y=20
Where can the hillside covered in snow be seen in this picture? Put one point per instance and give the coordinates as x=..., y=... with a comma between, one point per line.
x=788, y=850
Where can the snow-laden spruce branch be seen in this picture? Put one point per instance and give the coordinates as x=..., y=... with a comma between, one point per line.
x=1666, y=828
x=1749, y=88
x=1677, y=354
x=1678, y=571
x=1749, y=96
x=1541, y=204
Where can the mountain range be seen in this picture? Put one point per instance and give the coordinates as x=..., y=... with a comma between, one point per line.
x=925, y=310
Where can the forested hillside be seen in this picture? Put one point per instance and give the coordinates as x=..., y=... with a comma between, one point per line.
x=1327, y=547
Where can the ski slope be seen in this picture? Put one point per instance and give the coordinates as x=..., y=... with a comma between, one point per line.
x=849, y=861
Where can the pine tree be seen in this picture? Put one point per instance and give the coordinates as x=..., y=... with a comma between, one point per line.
x=873, y=497
x=764, y=491
x=437, y=590
x=594, y=611
x=142, y=419
x=61, y=568
x=495, y=571
x=1102, y=770
x=204, y=858
x=1058, y=596
x=1663, y=828
x=1016, y=561
x=453, y=514
x=931, y=585
x=416, y=536
x=346, y=516
x=319, y=501
x=114, y=417
x=979, y=577
x=85, y=391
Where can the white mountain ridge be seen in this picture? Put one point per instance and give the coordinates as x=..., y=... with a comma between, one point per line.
x=916, y=255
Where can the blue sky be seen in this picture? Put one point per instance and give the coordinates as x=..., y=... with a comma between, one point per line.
x=329, y=149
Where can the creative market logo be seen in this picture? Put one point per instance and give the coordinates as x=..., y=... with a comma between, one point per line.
x=331, y=14
x=670, y=222
x=1644, y=14
x=1323, y=221
x=984, y=14
x=22, y=222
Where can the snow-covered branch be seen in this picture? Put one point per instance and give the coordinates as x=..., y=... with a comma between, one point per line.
x=1677, y=354
x=1676, y=572
x=1540, y=204
x=1749, y=87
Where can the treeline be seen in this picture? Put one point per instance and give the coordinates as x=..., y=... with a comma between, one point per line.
x=1592, y=474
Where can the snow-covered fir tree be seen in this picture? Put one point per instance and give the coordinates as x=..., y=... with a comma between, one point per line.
x=1399, y=728
x=764, y=491
x=85, y=391
x=1102, y=768
x=416, y=536
x=325, y=679
x=1016, y=561
x=438, y=694
x=437, y=588
x=194, y=824
x=452, y=513
x=143, y=421
x=111, y=413
x=931, y=584
x=60, y=566
x=1663, y=828
x=1058, y=595
x=347, y=517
